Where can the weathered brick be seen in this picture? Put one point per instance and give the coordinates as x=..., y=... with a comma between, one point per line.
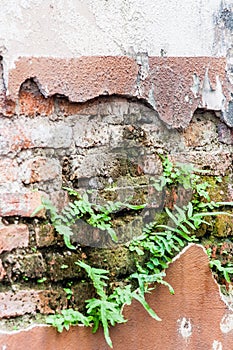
x=19, y=204
x=7, y=107
x=8, y=172
x=31, y=301
x=13, y=236
x=200, y=132
x=25, y=133
x=40, y=169
x=56, y=261
x=45, y=133
x=216, y=162
x=31, y=104
x=51, y=301
x=151, y=164
x=93, y=164
x=28, y=265
x=14, y=136
x=88, y=133
x=44, y=235
x=17, y=304
x=66, y=107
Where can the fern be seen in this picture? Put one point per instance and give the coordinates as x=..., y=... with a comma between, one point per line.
x=158, y=243
x=96, y=215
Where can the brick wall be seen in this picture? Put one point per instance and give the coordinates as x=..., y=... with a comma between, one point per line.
x=88, y=134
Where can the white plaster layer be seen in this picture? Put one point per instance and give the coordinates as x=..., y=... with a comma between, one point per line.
x=217, y=345
x=185, y=327
x=106, y=27
x=226, y=324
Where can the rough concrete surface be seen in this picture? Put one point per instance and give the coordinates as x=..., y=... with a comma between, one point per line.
x=92, y=27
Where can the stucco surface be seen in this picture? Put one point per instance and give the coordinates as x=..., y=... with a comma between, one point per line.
x=174, y=86
x=108, y=27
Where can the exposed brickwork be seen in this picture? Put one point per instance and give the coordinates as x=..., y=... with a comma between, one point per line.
x=196, y=305
x=110, y=144
x=32, y=103
x=29, y=302
x=13, y=236
x=22, y=204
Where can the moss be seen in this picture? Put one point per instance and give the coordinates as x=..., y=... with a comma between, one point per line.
x=224, y=226
x=218, y=191
x=119, y=261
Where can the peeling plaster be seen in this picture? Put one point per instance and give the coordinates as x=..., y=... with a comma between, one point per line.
x=185, y=327
x=162, y=82
x=217, y=345
x=226, y=324
x=212, y=98
x=196, y=85
x=114, y=27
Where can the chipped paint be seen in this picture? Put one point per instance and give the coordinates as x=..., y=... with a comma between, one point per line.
x=217, y=345
x=196, y=85
x=163, y=82
x=226, y=324
x=185, y=327
x=212, y=98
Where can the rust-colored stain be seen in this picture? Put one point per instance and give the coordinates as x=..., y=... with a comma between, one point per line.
x=194, y=318
x=168, y=86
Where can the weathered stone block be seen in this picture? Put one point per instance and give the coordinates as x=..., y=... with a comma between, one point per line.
x=19, y=204
x=13, y=236
x=40, y=169
x=44, y=235
x=88, y=133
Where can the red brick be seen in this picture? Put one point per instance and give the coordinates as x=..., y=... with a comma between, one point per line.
x=31, y=104
x=13, y=236
x=17, y=304
x=19, y=204
x=30, y=301
x=14, y=137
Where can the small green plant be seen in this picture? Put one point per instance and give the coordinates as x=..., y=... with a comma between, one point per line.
x=158, y=243
x=42, y=280
x=96, y=215
x=64, y=266
x=69, y=293
x=67, y=318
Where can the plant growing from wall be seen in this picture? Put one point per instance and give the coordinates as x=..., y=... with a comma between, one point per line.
x=159, y=242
